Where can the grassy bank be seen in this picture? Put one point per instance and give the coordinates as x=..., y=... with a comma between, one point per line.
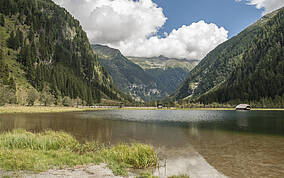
x=22, y=150
x=42, y=109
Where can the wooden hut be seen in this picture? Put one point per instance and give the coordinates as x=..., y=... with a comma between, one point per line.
x=160, y=106
x=243, y=107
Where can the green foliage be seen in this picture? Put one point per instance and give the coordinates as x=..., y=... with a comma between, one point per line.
x=13, y=42
x=246, y=68
x=22, y=150
x=7, y=84
x=48, y=140
x=2, y=95
x=4, y=71
x=67, y=101
x=137, y=155
x=179, y=176
x=124, y=72
x=53, y=50
x=46, y=97
x=261, y=73
x=2, y=20
x=32, y=97
x=146, y=175
x=168, y=79
x=147, y=83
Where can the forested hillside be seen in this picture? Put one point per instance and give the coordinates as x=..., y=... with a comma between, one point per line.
x=168, y=73
x=246, y=68
x=146, y=79
x=45, y=52
x=128, y=76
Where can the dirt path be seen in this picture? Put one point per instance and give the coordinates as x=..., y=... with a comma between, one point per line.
x=88, y=171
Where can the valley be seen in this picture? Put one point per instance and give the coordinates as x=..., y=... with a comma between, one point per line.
x=78, y=97
x=145, y=79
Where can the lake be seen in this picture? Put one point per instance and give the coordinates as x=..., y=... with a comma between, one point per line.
x=236, y=143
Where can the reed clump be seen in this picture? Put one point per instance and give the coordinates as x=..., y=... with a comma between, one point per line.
x=23, y=150
x=137, y=156
x=48, y=140
x=180, y=176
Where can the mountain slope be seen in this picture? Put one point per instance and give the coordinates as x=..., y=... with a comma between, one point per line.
x=163, y=62
x=247, y=67
x=260, y=77
x=128, y=76
x=45, y=48
x=157, y=80
x=168, y=73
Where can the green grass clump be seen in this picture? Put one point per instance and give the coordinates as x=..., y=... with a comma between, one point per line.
x=146, y=175
x=48, y=140
x=6, y=176
x=179, y=176
x=35, y=160
x=136, y=156
x=22, y=150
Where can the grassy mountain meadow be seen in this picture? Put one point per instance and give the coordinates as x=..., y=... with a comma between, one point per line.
x=247, y=68
x=145, y=79
x=45, y=55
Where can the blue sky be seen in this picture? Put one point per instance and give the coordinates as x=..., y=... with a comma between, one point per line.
x=233, y=16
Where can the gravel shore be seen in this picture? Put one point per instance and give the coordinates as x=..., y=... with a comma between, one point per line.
x=86, y=171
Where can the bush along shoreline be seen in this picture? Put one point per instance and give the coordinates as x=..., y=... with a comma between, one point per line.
x=21, y=150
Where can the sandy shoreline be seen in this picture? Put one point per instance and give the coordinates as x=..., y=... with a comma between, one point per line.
x=43, y=109
x=194, y=166
x=85, y=171
x=58, y=109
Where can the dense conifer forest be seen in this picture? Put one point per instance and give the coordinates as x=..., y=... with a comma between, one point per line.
x=247, y=68
x=45, y=52
x=145, y=79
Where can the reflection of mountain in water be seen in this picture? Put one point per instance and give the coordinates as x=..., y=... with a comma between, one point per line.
x=239, y=144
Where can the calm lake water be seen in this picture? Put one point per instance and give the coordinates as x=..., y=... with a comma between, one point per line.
x=236, y=143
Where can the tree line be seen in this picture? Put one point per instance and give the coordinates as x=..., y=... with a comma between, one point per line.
x=54, y=52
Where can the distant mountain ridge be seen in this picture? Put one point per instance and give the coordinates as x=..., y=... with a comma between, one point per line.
x=163, y=62
x=156, y=81
x=169, y=73
x=128, y=76
x=248, y=67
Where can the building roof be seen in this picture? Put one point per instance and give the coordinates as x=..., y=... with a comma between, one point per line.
x=242, y=106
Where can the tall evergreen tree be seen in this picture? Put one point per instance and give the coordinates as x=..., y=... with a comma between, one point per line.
x=2, y=20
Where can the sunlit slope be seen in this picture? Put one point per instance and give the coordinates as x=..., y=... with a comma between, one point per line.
x=249, y=66
x=44, y=47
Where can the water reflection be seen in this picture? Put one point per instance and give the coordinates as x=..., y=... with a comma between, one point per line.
x=239, y=144
x=90, y=126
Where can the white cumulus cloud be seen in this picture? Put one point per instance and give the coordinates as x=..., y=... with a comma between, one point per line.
x=267, y=5
x=112, y=21
x=192, y=42
x=132, y=27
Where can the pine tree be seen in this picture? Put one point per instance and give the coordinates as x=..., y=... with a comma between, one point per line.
x=11, y=42
x=1, y=55
x=4, y=72
x=2, y=20
x=12, y=84
x=19, y=38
